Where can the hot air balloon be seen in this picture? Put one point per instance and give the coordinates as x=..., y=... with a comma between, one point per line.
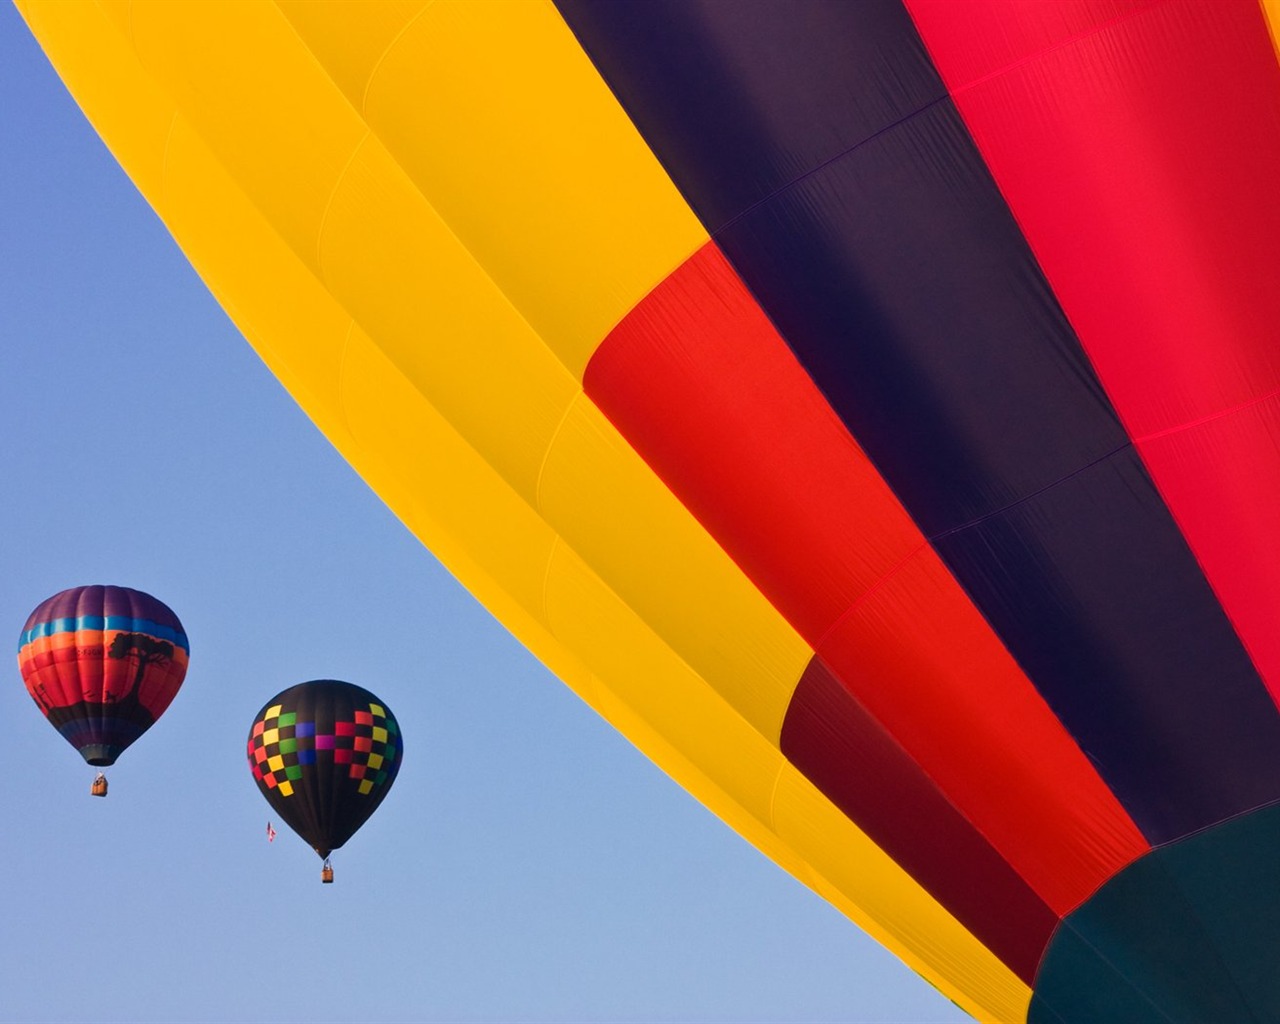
x=871, y=409
x=325, y=754
x=102, y=664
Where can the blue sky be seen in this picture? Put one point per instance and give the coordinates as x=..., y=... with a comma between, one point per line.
x=529, y=864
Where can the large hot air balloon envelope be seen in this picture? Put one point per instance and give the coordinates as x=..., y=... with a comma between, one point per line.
x=102, y=664
x=324, y=754
x=870, y=408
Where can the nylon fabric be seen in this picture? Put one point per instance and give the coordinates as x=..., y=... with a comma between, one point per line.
x=832, y=739
x=903, y=283
x=1187, y=934
x=1172, y=288
x=486, y=105
x=699, y=381
x=381, y=419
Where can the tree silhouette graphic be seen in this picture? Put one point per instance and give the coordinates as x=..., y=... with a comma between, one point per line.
x=148, y=650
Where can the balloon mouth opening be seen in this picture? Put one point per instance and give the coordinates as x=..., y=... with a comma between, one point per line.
x=99, y=755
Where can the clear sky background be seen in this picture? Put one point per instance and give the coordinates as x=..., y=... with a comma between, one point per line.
x=529, y=865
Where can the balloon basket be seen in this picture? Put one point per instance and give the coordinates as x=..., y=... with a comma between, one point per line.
x=326, y=873
x=99, y=787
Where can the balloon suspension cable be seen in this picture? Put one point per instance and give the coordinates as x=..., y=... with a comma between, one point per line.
x=326, y=872
x=99, y=787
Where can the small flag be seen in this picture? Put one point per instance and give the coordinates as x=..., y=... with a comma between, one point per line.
x=271, y=833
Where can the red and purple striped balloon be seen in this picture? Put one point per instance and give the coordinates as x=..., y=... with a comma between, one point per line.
x=102, y=663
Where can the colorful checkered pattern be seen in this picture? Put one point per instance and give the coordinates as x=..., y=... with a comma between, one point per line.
x=280, y=747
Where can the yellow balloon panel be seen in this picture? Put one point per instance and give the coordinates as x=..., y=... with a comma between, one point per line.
x=635, y=533
x=501, y=122
x=349, y=37
x=254, y=268
x=404, y=276
x=274, y=119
